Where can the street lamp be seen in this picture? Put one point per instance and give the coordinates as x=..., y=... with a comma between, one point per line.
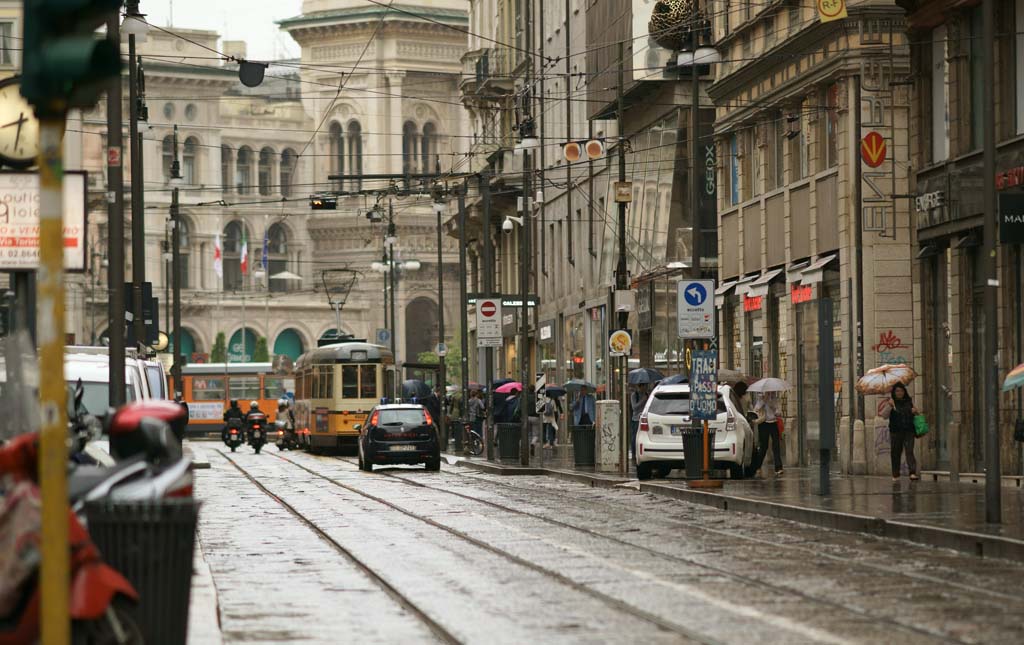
x=134, y=24
x=528, y=142
x=176, y=181
x=136, y=27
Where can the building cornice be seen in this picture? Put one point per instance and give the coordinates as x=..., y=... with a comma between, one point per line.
x=374, y=12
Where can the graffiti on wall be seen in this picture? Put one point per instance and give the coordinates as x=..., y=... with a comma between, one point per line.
x=890, y=349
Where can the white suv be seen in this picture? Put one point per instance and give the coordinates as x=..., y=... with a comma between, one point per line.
x=659, y=441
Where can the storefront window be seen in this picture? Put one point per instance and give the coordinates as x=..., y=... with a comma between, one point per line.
x=547, y=361
x=808, y=369
x=574, y=347
x=599, y=345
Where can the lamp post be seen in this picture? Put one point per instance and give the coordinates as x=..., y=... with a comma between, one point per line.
x=442, y=368
x=527, y=143
x=136, y=27
x=176, y=181
x=390, y=268
x=115, y=241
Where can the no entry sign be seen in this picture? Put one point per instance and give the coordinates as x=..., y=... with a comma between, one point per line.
x=488, y=322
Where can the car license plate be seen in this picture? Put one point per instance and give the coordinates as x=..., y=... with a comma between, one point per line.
x=256, y=434
x=675, y=430
x=401, y=448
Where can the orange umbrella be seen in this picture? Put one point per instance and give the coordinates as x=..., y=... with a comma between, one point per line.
x=880, y=380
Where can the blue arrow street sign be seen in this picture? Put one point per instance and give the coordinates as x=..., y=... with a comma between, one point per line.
x=695, y=309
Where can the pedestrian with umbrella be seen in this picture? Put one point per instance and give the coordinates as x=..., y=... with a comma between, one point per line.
x=641, y=380
x=768, y=421
x=898, y=409
x=584, y=410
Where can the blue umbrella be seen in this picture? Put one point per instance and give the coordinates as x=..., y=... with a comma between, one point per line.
x=553, y=391
x=579, y=385
x=675, y=379
x=643, y=375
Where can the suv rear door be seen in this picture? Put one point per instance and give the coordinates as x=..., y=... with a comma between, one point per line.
x=669, y=413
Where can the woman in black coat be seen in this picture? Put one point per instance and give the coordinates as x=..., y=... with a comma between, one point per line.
x=900, y=411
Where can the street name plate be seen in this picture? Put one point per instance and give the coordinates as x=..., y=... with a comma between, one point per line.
x=704, y=386
x=695, y=308
x=488, y=322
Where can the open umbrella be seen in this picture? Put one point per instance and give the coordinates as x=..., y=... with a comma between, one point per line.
x=770, y=384
x=553, y=391
x=579, y=385
x=643, y=375
x=415, y=389
x=675, y=379
x=474, y=386
x=508, y=387
x=879, y=380
x=1015, y=378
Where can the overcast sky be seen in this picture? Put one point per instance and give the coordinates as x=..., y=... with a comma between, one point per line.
x=248, y=20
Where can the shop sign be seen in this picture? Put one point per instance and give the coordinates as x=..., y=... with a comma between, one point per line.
x=872, y=149
x=929, y=201
x=623, y=192
x=19, y=221
x=752, y=303
x=620, y=343
x=1010, y=178
x=703, y=402
x=547, y=331
x=801, y=293
x=1011, y=218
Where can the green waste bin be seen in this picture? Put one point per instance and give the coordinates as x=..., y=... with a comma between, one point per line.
x=151, y=544
x=583, y=445
x=508, y=441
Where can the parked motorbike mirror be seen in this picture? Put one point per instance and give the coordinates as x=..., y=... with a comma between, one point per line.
x=357, y=426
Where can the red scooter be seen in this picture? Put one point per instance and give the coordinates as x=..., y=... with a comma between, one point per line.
x=100, y=597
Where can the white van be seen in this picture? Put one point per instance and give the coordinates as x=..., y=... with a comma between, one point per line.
x=92, y=366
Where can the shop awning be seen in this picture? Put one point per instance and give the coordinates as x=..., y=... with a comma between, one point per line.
x=794, y=270
x=760, y=286
x=743, y=284
x=722, y=290
x=816, y=271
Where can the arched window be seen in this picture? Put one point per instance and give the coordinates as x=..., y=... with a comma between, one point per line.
x=243, y=170
x=185, y=247
x=189, y=170
x=277, y=247
x=409, y=145
x=429, y=148
x=336, y=145
x=266, y=171
x=287, y=171
x=232, y=255
x=355, y=154
x=168, y=157
x=225, y=169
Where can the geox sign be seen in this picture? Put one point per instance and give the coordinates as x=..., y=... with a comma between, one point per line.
x=1011, y=218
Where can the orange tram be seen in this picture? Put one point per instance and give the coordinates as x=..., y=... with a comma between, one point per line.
x=208, y=389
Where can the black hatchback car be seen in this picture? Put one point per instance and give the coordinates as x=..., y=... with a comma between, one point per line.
x=399, y=433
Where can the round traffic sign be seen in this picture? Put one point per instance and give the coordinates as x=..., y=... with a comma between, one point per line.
x=695, y=294
x=488, y=309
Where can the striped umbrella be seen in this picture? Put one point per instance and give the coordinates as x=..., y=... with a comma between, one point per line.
x=1015, y=378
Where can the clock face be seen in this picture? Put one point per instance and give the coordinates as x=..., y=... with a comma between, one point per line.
x=19, y=129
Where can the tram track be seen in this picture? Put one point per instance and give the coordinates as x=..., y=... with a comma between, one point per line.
x=393, y=592
x=753, y=540
x=614, y=603
x=740, y=578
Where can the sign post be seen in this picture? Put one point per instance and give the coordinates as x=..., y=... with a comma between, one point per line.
x=695, y=318
x=620, y=343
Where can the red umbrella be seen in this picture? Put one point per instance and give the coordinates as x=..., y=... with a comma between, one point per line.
x=507, y=388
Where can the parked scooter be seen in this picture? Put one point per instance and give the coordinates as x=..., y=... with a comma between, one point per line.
x=233, y=434
x=257, y=430
x=100, y=598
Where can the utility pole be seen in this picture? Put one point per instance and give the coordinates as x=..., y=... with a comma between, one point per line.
x=485, y=199
x=463, y=315
x=137, y=181
x=176, y=265
x=698, y=232
x=390, y=240
x=524, y=317
x=993, y=470
x=115, y=227
x=621, y=281
x=441, y=367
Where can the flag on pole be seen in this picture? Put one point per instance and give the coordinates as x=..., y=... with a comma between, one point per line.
x=245, y=253
x=218, y=259
x=265, y=259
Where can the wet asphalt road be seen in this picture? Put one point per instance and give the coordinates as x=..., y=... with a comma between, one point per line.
x=309, y=549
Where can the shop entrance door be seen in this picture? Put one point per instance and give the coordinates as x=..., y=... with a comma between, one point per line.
x=807, y=372
x=940, y=365
x=977, y=318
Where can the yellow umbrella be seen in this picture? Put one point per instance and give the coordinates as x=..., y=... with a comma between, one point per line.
x=880, y=380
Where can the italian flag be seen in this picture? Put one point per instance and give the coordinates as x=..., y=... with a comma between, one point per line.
x=218, y=260
x=245, y=253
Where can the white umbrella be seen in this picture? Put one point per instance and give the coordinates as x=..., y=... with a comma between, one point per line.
x=770, y=384
x=286, y=275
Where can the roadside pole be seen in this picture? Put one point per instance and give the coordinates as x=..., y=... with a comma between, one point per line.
x=53, y=459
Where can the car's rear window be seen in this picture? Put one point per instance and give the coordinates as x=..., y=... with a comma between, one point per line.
x=396, y=417
x=672, y=403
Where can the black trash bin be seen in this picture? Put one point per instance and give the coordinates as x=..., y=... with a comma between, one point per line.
x=583, y=445
x=693, y=444
x=151, y=544
x=508, y=441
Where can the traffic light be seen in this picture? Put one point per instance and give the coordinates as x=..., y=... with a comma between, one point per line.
x=323, y=203
x=65, y=64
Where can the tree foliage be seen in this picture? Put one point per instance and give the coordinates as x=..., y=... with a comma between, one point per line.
x=219, y=353
x=261, y=354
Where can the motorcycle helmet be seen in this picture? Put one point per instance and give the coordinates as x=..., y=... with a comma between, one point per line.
x=253, y=405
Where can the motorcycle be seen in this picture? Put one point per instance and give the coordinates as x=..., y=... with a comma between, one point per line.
x=257, y=432
x=286, y=437
x=233, y=435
